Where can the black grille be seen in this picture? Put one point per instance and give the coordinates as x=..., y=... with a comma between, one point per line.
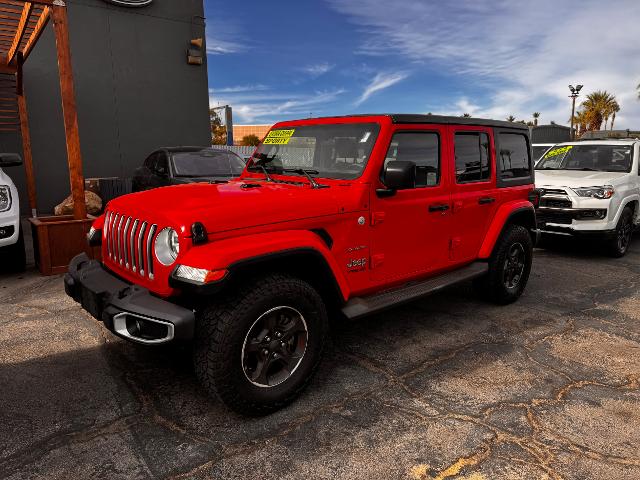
x=555, y=203
x=554, y=217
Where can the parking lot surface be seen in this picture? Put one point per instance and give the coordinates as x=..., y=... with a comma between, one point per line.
x=446, y=387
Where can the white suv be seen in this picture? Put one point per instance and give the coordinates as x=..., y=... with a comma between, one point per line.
x=12, y=255
x=591, y=187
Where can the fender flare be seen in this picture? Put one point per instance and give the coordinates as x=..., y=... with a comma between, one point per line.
x=506, y=212
x=231, y=254
x=623, y=204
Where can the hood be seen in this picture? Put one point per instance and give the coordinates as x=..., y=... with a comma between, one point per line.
x=212, y=179
x=240, y=204
x=575, y=178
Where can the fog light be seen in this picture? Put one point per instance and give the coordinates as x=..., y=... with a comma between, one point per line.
x=6, y=232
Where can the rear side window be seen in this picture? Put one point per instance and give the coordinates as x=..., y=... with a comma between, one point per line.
x=472, y=157
x=421, y=148
x=513, y=156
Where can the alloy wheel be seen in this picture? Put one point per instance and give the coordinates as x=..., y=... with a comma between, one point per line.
x=274, y=346
x=514, y=266
x=624, y=236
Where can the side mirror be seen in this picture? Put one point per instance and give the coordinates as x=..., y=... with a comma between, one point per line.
x=399, y=175
x=10, y=160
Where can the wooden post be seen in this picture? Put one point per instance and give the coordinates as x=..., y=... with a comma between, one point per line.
x=26, y=140
x=70, y=114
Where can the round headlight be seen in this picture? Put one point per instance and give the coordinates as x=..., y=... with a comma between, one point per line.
x=167, y=246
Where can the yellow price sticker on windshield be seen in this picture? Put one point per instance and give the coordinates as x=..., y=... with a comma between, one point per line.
x=558, y=151
x=279, y=137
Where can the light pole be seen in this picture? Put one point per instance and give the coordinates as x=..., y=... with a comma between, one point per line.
x=574, y=94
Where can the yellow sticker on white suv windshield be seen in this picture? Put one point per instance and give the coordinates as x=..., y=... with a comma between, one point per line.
x=558, y=151
x=279, y=137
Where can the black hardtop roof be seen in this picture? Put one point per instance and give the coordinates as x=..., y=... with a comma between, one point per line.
x=437, y=119
x=451, y=120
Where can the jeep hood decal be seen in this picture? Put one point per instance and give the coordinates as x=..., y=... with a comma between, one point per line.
x=239, y=204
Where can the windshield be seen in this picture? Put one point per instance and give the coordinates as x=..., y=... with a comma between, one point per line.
x=538, y=150
x=329, y=151
x=600, y=158
x=207, y=163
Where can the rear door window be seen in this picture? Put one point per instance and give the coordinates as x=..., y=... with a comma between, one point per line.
x=472, y=157
x=513, y=156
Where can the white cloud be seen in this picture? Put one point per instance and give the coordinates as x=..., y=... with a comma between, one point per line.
x=267, y=107
x=380, y=82
x=524, y=56
x=317, y=69
x=239, y=89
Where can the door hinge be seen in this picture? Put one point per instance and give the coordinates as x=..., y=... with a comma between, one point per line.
x=377, y=218
x=377, y=260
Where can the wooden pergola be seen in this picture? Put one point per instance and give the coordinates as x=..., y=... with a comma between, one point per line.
x=21, y=24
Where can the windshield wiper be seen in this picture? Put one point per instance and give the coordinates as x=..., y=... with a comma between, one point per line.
x=264, y=170
x=584, y=169
x=547, y=168
x=307, y=172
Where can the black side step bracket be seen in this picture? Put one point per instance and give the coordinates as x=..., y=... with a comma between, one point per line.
x=360, y=306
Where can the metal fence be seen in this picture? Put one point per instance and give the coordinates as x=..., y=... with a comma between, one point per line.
x=243, y=151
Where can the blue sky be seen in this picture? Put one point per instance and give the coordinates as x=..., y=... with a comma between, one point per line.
x=282, y=60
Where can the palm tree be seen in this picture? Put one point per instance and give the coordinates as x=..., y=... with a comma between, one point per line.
x=535, y=115
x=466, y=115
x=511, y=118
x=613, y=115
x=599, y=106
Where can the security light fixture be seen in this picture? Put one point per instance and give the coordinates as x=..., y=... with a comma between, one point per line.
x=575, y=91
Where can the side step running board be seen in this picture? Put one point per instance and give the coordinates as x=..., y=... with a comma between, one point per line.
x=360, y=306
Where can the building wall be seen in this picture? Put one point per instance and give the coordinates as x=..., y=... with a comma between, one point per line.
x=135, y=92
x=550, y=134
x=240, y=131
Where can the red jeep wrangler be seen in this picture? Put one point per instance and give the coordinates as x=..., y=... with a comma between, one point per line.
x=339, y=216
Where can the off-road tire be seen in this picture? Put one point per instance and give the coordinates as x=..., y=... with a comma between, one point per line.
x=618, y=244
x=221, y=330
x=12, y=257
x=493, y=285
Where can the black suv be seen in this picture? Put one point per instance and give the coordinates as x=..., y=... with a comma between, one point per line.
x=176, y=165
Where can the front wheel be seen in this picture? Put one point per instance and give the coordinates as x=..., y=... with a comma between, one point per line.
x=509, y=266
x=619, y=243
x=258, y=350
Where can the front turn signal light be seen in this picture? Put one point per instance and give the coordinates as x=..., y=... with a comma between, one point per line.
x=198, y=275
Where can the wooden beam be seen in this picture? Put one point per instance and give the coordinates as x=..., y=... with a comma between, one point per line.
x=26, y=140
x=24, y=18
x=69, y=112
x=35, y=35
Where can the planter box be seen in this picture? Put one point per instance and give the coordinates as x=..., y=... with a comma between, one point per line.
x=57, y=239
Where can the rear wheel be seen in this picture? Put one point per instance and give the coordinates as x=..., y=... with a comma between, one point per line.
x=13, y=257
x=258, y=350
x=509, y=266
x=619, y=243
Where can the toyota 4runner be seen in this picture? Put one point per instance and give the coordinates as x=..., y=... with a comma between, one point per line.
x=332, y=217
x=591, y=188
x=12, y=254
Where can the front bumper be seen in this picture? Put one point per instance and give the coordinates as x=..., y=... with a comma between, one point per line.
x=129, y=311
x=9, y=230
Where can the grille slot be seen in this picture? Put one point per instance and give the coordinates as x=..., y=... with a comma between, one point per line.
x=129, y=242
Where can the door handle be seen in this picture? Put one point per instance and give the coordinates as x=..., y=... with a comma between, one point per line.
x=486, y=200
x=439, y=208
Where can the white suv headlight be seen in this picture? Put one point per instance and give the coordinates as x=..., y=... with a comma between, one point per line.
x=5, y=198
x=167, y=246
x=603, y=192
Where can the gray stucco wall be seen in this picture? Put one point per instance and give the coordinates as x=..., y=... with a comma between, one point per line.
x=135, y=92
